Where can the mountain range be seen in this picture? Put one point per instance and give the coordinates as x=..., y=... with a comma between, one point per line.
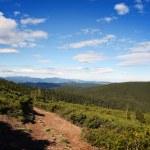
x=53, y=82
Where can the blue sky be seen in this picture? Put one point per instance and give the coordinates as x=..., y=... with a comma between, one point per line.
x=101, y=40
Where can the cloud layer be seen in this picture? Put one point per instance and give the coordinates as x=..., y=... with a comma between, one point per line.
x=68, y=72
x=139, y=55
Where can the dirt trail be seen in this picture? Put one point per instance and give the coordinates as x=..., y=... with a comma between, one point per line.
x=67, y=135
x=53, y=132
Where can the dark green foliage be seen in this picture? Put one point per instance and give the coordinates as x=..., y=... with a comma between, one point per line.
x=77, y=118
x=128, y=113
x=124, y=140
x=140, y=116
x=15, y=103
x=26, y=107
x=116, y=95
x=95, y=122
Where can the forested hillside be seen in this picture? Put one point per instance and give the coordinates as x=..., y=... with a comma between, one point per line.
x=118, y=95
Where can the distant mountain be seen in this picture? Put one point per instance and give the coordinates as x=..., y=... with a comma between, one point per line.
x=60, y=85
x=22, y=79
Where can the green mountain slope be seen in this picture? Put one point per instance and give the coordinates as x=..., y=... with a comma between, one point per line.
x=119, y=95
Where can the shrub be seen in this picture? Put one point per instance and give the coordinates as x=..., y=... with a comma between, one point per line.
x=77, y=118
x=95, y=122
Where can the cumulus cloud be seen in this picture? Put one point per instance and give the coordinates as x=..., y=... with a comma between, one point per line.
x=87, y=43
x=89, y=57
x=106, y=19
x=11, y=35
x=121, y=9
x=32, y=21
x=6, y=24
x=7, y=51
x=135, y=59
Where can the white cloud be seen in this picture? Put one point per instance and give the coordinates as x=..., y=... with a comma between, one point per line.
x=11, y=35
x=89, y=57
x=141, y=47
x=88, y=70
x=139, y=55
x=43, y=61
x=32, y=21
x=135, y=59
x=83, y=31
x=121, y=9
x=22, y=38
x=16, y=13
x=90, y=31
x=102, y=70
x=6, y=24
x=139, y=5
x=106, y=19
x=7, y=51
x=94, y=73
x=93, y=42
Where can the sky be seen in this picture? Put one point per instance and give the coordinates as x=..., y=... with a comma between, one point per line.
x=96, y=40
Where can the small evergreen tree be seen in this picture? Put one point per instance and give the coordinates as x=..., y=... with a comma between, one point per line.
x=139, y=116
x=128, y=113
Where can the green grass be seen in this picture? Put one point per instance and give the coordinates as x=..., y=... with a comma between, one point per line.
x=104, y=127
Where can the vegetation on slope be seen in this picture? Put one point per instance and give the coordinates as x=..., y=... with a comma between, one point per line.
x=104, y=128
x=15, y=103
x=118, y=95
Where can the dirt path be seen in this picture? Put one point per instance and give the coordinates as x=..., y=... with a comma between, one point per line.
x=49, y=132
x=66, y=135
